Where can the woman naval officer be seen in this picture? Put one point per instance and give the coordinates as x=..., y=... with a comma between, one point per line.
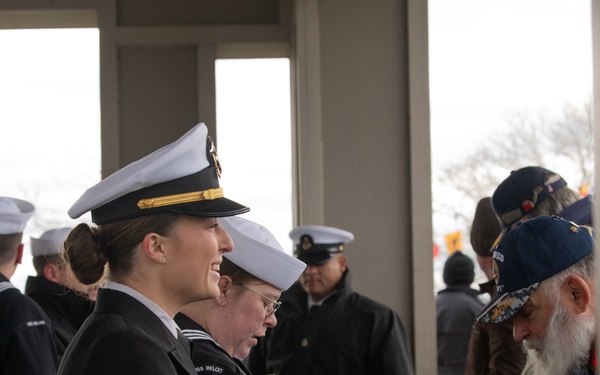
x=253, y=276
x=157, y=229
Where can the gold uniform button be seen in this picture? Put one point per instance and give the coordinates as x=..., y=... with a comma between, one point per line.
x=304, y=343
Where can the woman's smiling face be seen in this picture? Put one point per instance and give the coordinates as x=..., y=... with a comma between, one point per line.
x=199, y=245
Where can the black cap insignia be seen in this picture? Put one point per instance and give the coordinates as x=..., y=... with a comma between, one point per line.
x=306, y=242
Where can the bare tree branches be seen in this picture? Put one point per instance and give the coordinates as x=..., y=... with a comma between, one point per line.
x=528, y=139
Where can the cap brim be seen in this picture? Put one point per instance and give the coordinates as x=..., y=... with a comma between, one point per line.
x=505, y=305
x=221, y=207
x=316, y=260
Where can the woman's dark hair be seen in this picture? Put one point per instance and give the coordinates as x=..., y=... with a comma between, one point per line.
x=237, y=274
x=88, y=249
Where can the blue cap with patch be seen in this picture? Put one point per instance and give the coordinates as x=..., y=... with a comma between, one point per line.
x=534, y=251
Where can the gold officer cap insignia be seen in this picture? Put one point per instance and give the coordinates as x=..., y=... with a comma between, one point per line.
x=215, y=158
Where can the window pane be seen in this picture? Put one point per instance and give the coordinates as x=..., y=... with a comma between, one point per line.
x=503, y=74
x=254, y=139
x=50, y=116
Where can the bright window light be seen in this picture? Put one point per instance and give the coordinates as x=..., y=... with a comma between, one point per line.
x=50, y=120
x=254, y=140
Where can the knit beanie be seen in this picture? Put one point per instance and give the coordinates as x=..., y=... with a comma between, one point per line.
x=485, y=228
x=459, y=269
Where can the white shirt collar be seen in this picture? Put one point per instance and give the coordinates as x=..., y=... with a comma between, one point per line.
x=312, y=303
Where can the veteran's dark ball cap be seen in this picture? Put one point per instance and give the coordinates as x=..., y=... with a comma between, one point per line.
x=534, y=251
x=524, y=190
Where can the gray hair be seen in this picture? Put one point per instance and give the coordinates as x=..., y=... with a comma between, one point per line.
x=555, y=203
x=585, y=268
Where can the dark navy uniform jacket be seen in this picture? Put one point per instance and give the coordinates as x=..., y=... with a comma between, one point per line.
x=124, y=337
x=27, y=342
x=348, y=335
x=66, y=309
x=208, y=356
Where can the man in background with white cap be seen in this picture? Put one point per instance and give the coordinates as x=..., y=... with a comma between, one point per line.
x=253, y=276
x=27, y=342
x=326, y=328
x=545, y=272
x=62, y=297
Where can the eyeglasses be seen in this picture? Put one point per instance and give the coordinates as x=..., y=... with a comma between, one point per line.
x=271, y=306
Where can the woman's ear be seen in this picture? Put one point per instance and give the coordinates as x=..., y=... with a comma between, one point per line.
x=151, y=244
x=225, y=286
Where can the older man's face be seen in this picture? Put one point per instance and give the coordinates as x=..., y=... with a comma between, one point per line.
x=555, y=338
x=532, y=320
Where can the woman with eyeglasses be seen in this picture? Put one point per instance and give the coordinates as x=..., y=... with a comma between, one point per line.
x=253, y=276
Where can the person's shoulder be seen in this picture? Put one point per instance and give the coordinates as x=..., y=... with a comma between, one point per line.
x=109, y=333
x=293, y=297
x=111, y=327
x=185, y=322
x=13, y=301
x=293, y=291
x=580, y=212
x=208, y=358
x=459, y=296
x=368, y=305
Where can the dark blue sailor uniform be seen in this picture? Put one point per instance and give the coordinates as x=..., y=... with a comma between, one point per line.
x=124, y=337
x=27, y=342
x=348, y=334
x=208, y=356
x=66, y=309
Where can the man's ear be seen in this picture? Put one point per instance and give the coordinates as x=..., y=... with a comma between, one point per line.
x=51, y=272
x=343, y=261
x=19, y=254
x=579, y=293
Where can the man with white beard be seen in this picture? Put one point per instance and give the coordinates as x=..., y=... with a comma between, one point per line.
x=544, y=270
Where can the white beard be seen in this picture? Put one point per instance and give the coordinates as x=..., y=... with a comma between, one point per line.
x=565, y=347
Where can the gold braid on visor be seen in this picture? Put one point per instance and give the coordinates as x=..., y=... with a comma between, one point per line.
x=169, y=200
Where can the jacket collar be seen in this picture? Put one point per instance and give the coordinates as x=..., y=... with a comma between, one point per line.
x=112, y=301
